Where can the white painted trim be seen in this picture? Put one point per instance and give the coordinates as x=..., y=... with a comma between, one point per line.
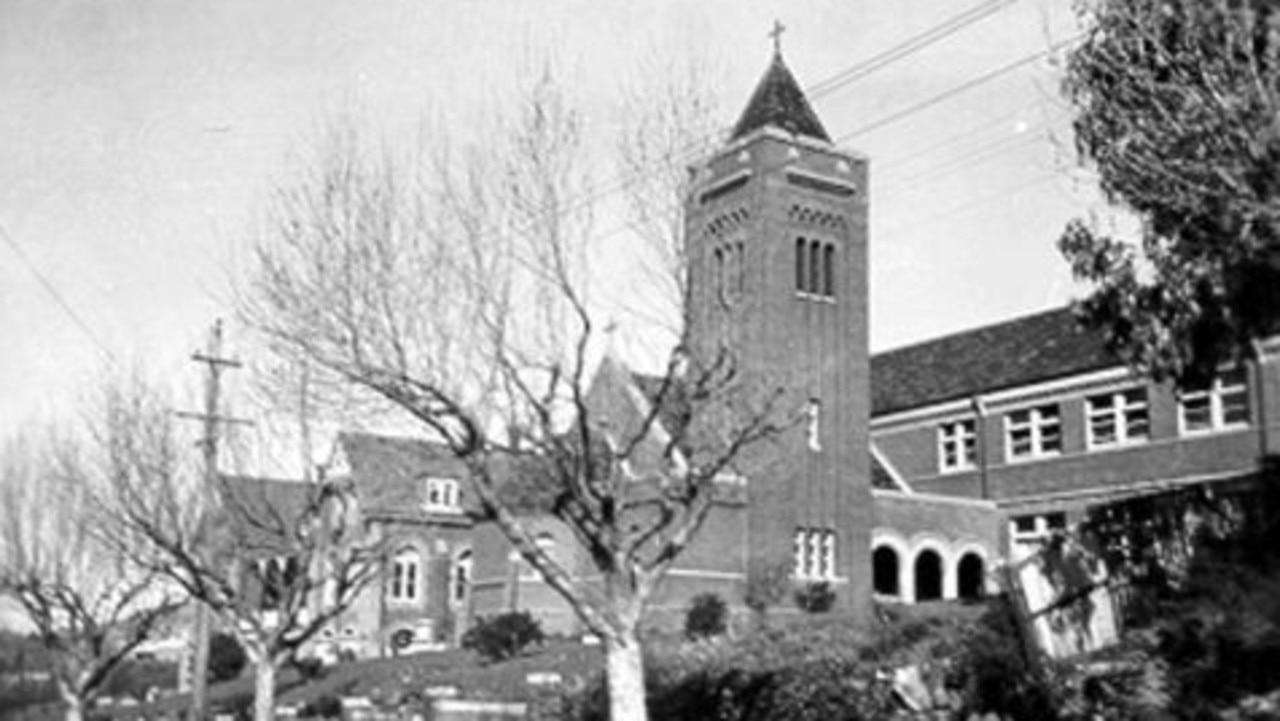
x=1006, y=396
x=935, y=498
x=889, y=468
x=702, y=573
x=819, y=177
x=727, y=180
x=1128, y=489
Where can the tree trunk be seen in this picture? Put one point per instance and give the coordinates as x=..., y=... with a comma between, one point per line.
x=264, y=690
x=75, y=708
x=626, y=678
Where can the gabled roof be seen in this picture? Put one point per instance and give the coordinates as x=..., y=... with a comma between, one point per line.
x=1035, y=348
x=264, y=512
x=387, y=472
x=779, y=102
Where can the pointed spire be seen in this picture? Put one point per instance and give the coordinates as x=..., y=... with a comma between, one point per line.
x=778, y=101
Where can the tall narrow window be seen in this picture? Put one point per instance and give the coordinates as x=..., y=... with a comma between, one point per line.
x=404, y=576
x=719, y=271
x=829, y=271
x=814, y=414
x=740, y=272
x=801, y=270
x=462, y=576
x=958, y=445
x=815, y=267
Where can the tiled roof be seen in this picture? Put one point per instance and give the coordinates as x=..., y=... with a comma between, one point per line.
x=1035, y=348
x=388, y=472
x=264, y=512
x=779, y=102
x=674, y=412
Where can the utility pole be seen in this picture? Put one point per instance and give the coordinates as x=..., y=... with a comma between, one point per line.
x=215, y=364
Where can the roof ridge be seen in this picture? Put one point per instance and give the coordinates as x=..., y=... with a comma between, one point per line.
x=976, y=329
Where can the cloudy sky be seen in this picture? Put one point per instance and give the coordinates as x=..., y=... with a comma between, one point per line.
x=138, y=140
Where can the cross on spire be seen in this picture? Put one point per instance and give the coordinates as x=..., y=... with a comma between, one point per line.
x=776, y=34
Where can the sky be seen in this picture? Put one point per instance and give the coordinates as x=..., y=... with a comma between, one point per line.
x=139, y=140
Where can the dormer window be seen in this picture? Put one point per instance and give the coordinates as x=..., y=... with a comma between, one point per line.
x=442, y=495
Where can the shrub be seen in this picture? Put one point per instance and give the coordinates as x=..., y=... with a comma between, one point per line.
x=226, y=657
x=707, y=617
x=327, y=706
x=816, y=597
x=503, y=636
x=993, y=673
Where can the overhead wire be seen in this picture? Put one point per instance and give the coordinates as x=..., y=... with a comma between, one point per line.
x=58, y=298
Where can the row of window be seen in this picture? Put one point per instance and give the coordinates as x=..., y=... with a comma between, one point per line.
x=815, y=554
x=404, y=584
x=1111, y=419
x=815, y=268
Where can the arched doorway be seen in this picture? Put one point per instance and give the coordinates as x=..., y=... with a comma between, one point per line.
x=928, y=576
x=884, y=571
x=969, y=575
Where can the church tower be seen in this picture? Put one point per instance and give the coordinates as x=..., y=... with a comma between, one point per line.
x=777, y=234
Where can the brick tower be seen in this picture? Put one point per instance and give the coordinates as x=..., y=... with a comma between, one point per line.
x=777, y=233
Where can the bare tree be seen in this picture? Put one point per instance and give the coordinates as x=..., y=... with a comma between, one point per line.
x=275, y=561
x=456, y=285
x=89, y=604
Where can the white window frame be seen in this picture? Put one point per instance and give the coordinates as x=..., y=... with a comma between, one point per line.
x=959, y=436
x=1227, y=384
x=1038, y=421
x=442, y=496
x=404, y=585
x=1041, y=530
x=1121, y=408
x=814, y=430
x=815, y=554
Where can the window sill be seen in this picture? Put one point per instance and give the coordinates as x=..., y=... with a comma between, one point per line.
x=1212, y=430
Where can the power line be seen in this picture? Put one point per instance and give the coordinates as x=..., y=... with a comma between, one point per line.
x=978, y=155
x=958, y=89
x=57, y=296
x=857, y=71
x=980, y=201
x=909, y=46
x=894, y=162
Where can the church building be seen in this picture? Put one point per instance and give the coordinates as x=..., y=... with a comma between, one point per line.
x=916, y=472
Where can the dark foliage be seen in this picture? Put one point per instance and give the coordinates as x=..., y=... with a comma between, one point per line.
x=1174, y=106
x=993, y=673
x=327, y=706
x=226, y=657
x=708, y=616
x=503, y=636
x=1210, y=616
x=816, y=597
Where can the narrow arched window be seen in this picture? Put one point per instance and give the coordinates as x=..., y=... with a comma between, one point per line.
x=462, y=576
x=740, y=273
x=884, y=571
x=719, y=271
x=801, y=272
x=405, y=572
x=815, y=267
x=829, y=271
